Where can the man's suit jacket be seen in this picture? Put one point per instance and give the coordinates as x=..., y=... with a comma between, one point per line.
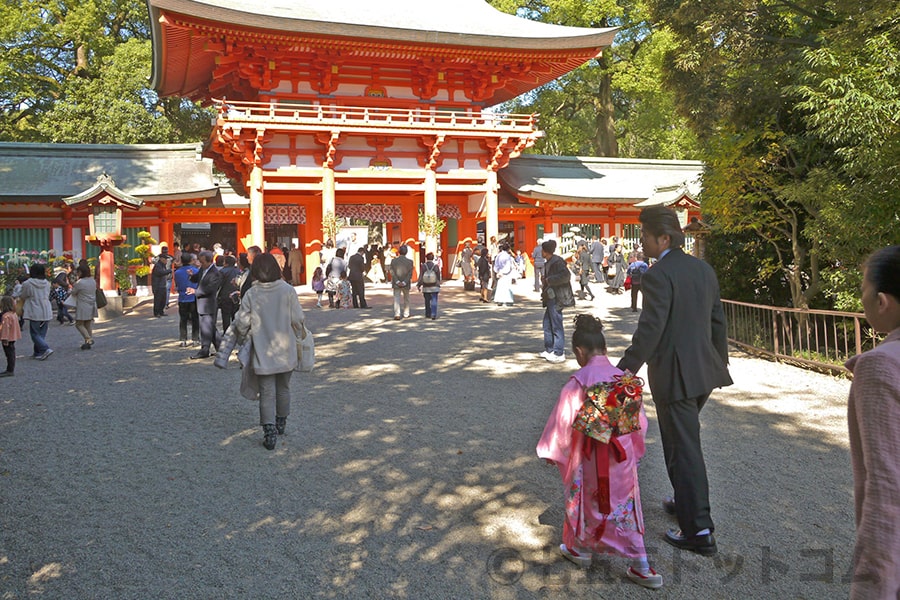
x=401, y=270
x=208, y=284
x=357, y=267
x=681, y=334
x=597, y=251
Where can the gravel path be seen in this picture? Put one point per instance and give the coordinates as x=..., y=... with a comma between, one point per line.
x=408, y=469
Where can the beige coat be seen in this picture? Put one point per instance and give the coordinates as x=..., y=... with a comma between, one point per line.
x=873, y=416
x=272, y=317
x=36, y=293
x=85, y=293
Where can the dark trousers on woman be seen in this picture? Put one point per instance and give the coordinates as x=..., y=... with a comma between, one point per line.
x=38, y=331
x=10, y=351
x=635, y=288
x=187, y=311
x=431, y=299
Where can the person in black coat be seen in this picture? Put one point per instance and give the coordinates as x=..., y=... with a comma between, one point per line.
x=682, y=337
x=357, y=277
x=208, y=280
x=484, y=275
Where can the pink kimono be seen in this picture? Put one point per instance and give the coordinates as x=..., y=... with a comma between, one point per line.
x=603, y=515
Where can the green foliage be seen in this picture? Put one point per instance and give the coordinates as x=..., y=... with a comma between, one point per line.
x=796, y=108
x=614, y=105
x=78, y=72
x=431, y=225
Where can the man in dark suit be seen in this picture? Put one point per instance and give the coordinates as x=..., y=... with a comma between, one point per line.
x=681, y=335
x=208, y=280
x=357, y=277
x=597, y=252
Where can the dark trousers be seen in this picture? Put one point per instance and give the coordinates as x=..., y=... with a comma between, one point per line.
x=187, y=312
x=62, y=313
x=358, y=293
x=160, y=295
x=679, y=428
x=208, y=333
x=635, y=288
x=10, y=351
x=38, y=331
x=431, y=299
x=227, y=309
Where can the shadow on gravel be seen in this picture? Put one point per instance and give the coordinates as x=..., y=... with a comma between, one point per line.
x=408, y=471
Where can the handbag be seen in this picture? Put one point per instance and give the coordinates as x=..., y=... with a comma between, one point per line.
x=611, y=408
x=627, y=283
x=70, y=301
x=611, y=271
x=20, y=307
x=101, y=298
x=306, y=351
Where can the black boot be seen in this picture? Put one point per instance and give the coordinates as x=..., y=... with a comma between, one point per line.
x=271, y=436
x=279, y=424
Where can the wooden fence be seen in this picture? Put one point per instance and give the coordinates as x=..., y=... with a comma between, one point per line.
x=822, y=339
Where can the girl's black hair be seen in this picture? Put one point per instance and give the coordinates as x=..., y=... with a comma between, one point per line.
x=588, y=333
x=883, y=270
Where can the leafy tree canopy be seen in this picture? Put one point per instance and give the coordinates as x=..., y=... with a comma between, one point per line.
x=795, y=107
x=78, y=72
x=614, y=105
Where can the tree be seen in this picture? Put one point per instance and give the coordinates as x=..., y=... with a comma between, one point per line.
x=78, y=72
x=613, y=105
x=752, y=79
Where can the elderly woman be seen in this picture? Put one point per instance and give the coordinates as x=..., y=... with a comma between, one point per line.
x=873, y=417
x=430, y=285
x=85, y=293
x=271, y=319
x=617, y=260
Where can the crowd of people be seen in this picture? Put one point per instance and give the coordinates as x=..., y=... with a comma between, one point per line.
x=595, y=433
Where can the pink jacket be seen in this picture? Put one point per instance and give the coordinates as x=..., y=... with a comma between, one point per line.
x=873, y=416
x=9, y=327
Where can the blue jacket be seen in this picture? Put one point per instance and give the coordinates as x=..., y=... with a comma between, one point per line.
x=183, y=282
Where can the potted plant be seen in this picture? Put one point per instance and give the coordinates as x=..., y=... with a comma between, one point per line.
x=143, y=252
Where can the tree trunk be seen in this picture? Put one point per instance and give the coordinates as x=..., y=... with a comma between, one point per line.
x=605, y=139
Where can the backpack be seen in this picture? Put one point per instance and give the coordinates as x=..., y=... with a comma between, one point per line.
x=429, y=276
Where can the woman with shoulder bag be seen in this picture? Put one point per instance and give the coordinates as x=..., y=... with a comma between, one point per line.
x=85, y=293
x=271, y=319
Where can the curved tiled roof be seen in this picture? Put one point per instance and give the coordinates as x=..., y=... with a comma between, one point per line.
x=595, y=180
x=460, y=23
x=51, y=172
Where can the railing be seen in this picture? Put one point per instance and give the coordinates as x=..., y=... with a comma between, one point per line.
x=821, y=339
x=337, y=115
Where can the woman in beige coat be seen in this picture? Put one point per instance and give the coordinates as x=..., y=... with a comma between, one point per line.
x=271, y=318
x=873, y=416
x=85, y=293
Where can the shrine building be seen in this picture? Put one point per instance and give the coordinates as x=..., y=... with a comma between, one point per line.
x=360, y=109
x=346, y=109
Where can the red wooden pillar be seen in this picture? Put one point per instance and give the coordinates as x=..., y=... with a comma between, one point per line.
x=409, y=228
x=311, y=237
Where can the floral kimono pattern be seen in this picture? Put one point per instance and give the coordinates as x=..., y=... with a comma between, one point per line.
x=602, y=495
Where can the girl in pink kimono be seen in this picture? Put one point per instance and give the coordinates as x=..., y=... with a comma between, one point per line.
x=603, y=501
x=873, y=417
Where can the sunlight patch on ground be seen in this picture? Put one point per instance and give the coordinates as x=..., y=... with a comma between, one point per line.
x=49, y=571
x=507, y=365
x=240, y=434
x=520, y=524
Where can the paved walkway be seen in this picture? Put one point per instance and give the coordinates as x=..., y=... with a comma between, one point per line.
x=408, y=470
